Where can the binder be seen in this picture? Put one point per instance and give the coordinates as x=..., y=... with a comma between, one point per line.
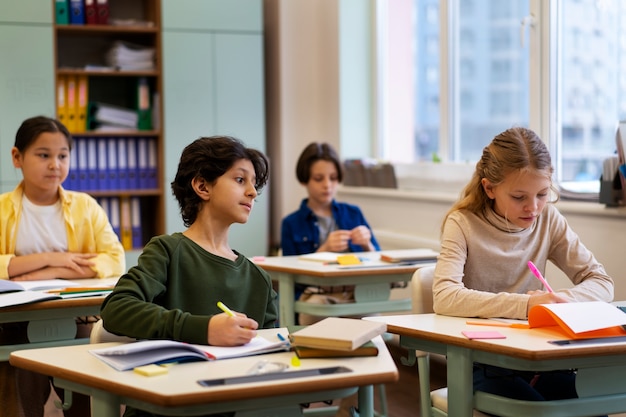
x=152, y=164
x=62, y=100
x=102, y=8
x=61, y=12
x=83, y=180
x=103, y=166
x=91, y=15
x=81, y=103
x=77, y=12
x=125, y=223
x=114, y=216
x=92, y=164
x=135, y=217
x=104, y=203
x=112, y=167
x=122, y=164
x=131, y=161
x=71, y=94
x=72, y=176
x=144, y=112
x=142, y=162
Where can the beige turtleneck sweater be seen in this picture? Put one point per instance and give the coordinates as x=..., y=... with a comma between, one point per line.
x=482, y=268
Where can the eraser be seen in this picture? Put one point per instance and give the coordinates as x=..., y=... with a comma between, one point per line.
x=258, y=258
x=151, y=370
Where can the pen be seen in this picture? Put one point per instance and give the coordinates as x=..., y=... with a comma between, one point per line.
x=69, y=290
x=225, y=309
x=497, y=324
x=540, y=277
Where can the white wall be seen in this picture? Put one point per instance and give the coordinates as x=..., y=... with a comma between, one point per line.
x=318, y=87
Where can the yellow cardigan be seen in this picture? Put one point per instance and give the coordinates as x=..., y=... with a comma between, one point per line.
x=88, y=231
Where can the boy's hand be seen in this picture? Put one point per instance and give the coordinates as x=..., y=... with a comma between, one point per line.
x=361, y=235
x=225, y=330
x=337, y=241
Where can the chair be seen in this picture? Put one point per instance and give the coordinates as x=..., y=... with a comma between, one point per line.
x=100, y=335
x=432, y=403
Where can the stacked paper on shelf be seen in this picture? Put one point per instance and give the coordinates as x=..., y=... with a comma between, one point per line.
x=131, y=57
x=109, y=115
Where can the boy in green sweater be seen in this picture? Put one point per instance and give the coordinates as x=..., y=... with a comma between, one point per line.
x=172, y=292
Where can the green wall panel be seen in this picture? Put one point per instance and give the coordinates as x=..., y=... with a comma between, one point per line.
x=26, y=85
x=231, y=15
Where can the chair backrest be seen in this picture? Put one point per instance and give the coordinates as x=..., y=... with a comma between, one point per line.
x=100, y=335
x=422, y=290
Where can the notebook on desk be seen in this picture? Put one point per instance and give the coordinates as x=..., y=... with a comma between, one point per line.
x=409, y=255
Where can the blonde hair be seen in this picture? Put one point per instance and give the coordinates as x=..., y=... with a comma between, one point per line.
x=516, y=149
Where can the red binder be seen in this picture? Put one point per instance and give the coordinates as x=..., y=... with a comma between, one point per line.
x=91, y=15
x=102, y=7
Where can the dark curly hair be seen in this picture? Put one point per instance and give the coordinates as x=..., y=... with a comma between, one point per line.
x=209, y=158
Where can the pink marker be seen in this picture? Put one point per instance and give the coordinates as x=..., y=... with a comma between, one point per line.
x=540, y=277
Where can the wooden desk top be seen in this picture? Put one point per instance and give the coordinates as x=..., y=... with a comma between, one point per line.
x=373, y=266
x=530, y=344
x=179, y=387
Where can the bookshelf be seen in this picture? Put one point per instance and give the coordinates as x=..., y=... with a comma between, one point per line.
x=112, y=107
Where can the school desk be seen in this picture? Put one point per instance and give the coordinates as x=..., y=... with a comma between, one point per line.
x=371, y=280
x=53, y=323
x=178, y=392
x=600, y=381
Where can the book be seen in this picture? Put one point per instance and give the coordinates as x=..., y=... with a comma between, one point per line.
x=326, y=258
x=588, y=319
x=337, y=333
x=14, y=293
x=409, y=255
x=367, y=349
x=128, y=356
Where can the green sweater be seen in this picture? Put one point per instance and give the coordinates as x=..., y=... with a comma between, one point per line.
x=173, y=291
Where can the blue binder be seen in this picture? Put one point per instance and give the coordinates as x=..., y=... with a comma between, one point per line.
x=77, y=12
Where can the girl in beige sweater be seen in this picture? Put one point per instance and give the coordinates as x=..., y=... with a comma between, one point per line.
x=505, y=218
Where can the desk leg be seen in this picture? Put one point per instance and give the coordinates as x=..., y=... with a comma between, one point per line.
x=286, y=299
x=460, y=382
x=366, y=401
x=104, y=404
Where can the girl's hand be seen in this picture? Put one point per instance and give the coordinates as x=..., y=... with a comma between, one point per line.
x=225, y=330
x=543, y=297
x=69, y=260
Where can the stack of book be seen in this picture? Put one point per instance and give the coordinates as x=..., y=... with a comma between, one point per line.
x=106, y=117
x=336, y=337
x=130, y=57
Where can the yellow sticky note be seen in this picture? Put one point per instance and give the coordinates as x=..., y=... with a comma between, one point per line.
x=348, y=260
x=150, y=370
x=295, y=361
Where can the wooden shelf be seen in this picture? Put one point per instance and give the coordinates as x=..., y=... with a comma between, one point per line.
x=80, y=52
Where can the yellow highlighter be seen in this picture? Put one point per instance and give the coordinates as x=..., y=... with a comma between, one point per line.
x=225, y=309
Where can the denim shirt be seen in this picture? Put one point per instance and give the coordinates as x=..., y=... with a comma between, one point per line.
x=300, y=231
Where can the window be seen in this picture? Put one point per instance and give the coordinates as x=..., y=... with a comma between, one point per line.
x=488, y=74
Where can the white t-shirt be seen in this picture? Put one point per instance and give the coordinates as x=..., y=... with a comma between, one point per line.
x=41, y=229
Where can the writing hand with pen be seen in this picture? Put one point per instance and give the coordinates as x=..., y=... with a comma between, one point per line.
x=231, y=328
x=539, y=296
